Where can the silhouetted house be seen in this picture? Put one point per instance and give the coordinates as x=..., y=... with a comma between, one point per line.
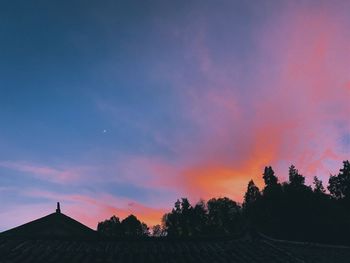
x=55, y=225
x=59, y=238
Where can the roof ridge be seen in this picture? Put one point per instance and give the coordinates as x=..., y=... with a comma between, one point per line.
x=284, y=251
x=52, y=225
x=315, y=244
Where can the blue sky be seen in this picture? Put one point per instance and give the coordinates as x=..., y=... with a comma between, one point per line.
x=118, y=107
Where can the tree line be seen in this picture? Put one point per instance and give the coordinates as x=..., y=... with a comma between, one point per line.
x=286, y=210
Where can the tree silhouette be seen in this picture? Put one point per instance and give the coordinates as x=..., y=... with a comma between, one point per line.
x=269, y=177
x=295, y=179
x=199, y=219
x=339, y=185
x=318, y=186
x=177, y=206
x=289, y=210
x=252, y=194
x=224, y=216
x=130, y=227
x=252, y=204
x=158, y=231
x=272, y=189
x=178, y=222
x=185, y=218
x=220, y=216
x=145, y=229
x=110, y=227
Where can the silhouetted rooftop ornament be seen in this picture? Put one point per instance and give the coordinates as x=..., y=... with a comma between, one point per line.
x=58, y=209
x=55, y=225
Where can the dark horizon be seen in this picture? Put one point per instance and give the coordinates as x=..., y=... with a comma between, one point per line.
x=288, y=210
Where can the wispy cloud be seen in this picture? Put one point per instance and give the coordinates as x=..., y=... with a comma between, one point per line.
x=224, y=96
x=293, y=109
x=47, y=173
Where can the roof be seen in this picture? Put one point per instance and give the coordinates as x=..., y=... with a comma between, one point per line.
x=59, y=238
x=162, y=250
x=55, y=225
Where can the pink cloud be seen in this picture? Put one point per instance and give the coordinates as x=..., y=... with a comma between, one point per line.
x=148, y=172
x=292, y=114
x=292, y=108
x=288, y=110
x=57, y=175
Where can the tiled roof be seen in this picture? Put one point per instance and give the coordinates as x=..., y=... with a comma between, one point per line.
x=22, y=250
x=59, y=238
x=52, y=225
x=163, y=250
x=311, y=252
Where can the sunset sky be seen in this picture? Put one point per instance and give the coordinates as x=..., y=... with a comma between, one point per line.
x=119, y=107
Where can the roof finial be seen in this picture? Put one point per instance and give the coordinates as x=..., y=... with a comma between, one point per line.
x=58, y=210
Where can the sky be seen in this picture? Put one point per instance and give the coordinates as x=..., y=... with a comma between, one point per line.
x=119, y=107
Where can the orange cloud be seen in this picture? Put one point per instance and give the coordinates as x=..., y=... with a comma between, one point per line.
x=295, y=113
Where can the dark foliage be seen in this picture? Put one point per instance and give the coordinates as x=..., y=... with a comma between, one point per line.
x=217, y=217
x=129, y=227
x=295, y=179
x=110, y=227
x=295, y=211
x=224, y=216
x=339, y=185
x=269, y=177
x=185, y=220
x=318, y=186
x=158, y=231
x=291, y=210
x=252, y=195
